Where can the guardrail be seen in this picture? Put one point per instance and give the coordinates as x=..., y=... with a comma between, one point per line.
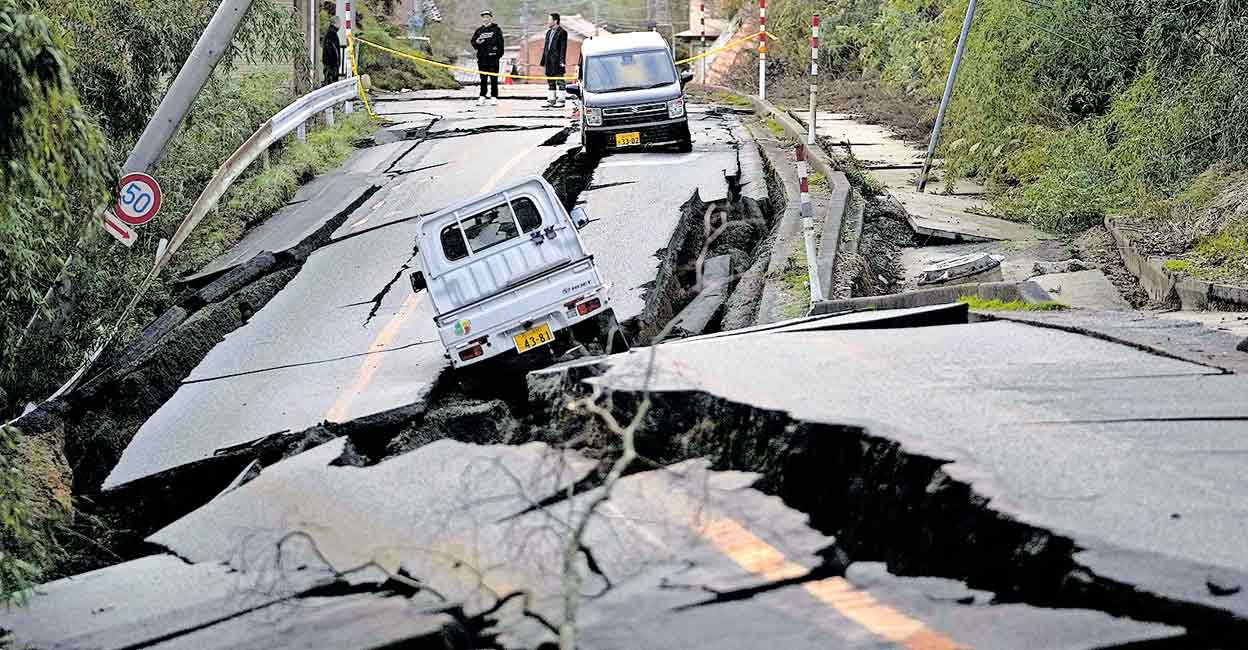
x=275, y=128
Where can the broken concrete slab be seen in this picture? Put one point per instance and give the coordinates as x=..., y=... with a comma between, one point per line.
x=1084, y=289
x=963, y=269
x=716, y=279
x=951, y=217
x=1004, y=291
x=1021, y=257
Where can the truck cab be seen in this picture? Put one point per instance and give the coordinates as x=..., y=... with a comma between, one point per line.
x=631, y=94
x=507, y=273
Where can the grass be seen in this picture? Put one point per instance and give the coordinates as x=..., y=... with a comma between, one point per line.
x=731, y=99
x=1178, y=266
x=817, y=178
x=796, y=280
x=981, y=304
x=775, y=127
x=257, y=197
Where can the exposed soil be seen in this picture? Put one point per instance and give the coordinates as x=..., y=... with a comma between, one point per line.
x=910, y=116
x=1096, y=247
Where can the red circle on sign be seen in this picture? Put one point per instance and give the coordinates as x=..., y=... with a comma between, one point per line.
x=138, y=198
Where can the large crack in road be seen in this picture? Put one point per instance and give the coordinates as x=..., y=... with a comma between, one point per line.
x=461, y=493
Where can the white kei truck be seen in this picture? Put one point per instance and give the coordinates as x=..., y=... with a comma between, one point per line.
x=507, y=273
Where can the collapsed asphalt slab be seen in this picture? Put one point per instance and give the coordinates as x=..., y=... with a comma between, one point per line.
x=635, y=201
x=165, y=603
x=346, y=338
x=1089, y=463
x=314, y=552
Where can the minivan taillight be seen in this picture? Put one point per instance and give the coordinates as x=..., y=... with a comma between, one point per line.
x=471, y=353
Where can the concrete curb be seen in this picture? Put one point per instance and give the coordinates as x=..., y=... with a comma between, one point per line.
x=785, y=230
x=1028, y=292
x=1164, y=286
x=830, y=240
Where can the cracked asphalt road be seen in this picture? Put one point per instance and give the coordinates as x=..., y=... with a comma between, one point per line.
x=298, y=361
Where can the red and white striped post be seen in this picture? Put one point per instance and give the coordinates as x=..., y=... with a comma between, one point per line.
x=346, y=106
x=814, y=76
x=702, y=20
x=808, y=224
x=762, y=49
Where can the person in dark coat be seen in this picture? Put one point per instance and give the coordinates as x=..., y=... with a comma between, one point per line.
x=488, y=42
x=554, y=60
x=330, y=53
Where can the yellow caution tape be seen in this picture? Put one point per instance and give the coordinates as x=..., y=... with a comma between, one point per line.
x=503, y=75
x=462, y=69
x=359, y=83
x=727, y=46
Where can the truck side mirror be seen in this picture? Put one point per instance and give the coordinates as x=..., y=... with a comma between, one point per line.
x=580, y=217
x=686, y=77
x=418, y=281
x=573, y=90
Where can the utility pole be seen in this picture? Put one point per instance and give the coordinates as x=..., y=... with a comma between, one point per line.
x=169, y=115
x=944, y=100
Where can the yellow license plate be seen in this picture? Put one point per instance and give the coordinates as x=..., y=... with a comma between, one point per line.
x=534, y=338
x=627, y=139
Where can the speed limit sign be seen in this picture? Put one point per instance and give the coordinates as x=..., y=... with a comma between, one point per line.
x=138, y=198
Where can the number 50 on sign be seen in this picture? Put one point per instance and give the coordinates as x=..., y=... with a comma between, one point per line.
x=138, y=199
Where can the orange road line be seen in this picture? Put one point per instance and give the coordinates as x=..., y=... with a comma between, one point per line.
x=372, y=362
x=757, y=556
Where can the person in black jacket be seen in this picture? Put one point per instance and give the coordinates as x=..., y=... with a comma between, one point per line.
x=330, y=53
x=488, y=42
x=554, y=60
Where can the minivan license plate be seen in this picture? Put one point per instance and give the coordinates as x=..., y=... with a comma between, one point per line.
x=627, y=139
x=534, y=338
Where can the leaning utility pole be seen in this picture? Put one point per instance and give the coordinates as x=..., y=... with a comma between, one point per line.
x=170, y=114
x=944, y=100
x=185, y=88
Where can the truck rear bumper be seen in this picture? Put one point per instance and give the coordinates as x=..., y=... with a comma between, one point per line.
x=463, y=351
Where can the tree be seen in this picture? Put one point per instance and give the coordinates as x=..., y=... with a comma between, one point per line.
x=54, y=160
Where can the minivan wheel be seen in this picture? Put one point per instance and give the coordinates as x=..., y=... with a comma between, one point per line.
x=685, y=144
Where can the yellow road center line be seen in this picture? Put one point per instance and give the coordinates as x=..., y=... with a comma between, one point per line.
x=372, y=361
x=757, y=556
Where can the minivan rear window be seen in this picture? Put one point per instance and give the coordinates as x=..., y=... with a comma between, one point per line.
x=609, y=73
x=490, y=228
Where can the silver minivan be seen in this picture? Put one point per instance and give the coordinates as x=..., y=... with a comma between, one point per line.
x=631, y=94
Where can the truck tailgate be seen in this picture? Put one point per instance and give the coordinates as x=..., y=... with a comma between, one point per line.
x=534, y=298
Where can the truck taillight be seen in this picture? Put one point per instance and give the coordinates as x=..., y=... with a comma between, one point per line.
x=471, y=353
x=588, y=306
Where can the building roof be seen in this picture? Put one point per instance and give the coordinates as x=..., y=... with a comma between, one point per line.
x=624, y=42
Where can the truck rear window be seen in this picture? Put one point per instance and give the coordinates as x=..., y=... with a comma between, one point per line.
x=490, y=228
